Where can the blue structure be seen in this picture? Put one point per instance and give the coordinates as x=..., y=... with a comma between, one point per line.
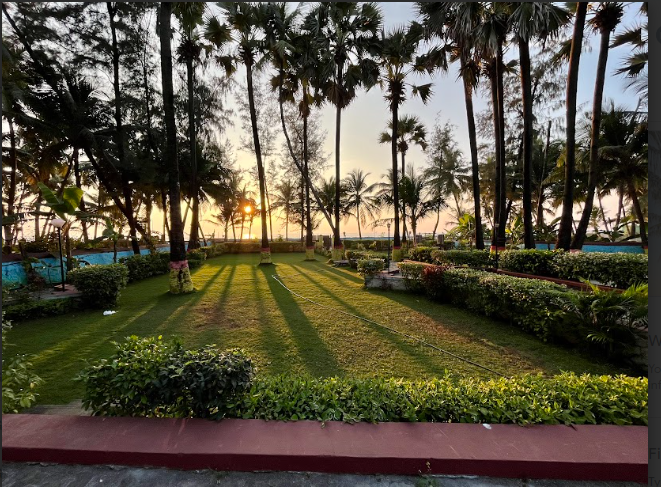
x=13, y=273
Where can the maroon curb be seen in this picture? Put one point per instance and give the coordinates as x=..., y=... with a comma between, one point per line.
x=616, y=453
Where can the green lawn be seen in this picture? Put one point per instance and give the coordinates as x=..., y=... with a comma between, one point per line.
x=239, y=304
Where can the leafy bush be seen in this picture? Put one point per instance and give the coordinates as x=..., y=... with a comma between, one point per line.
x=196, y=258
x=100, y=285
x=357, y=254
x=619, y=269
x=19, y=383
x=422, y=254
x=41, y=308
x=214, y=250
x=150, y=377
x=432, y=280
x=472, y=258
x=530, y=304
x=412, y=274
x=374, y=245
x=144, y=266
x=529, y=261
x=285, y=247
x=40, y=245
x=528, y=399
x=616, y=322
x=370, y=267
x=256, y=247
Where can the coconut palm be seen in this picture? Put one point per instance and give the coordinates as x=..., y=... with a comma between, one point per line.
x=180, y=280
x=455, y=23
x=417, y=197
x=566, y=219
x=360, y=199
x=410, y=131
x=634, y=66
x=344, y=36
x=247, y=21
x=605, y=20
x=398, y=59
x=530, y=21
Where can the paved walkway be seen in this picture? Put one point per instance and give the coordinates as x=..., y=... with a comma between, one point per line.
x=37, y=475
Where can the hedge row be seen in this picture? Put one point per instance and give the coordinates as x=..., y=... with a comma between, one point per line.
x=615, y=323
x=528, y=399
x=39, y=308
x=618, y=269
x=256, y=247
x=149, y=377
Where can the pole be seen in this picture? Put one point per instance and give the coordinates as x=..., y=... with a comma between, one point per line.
x=59, y=236
x=388, y=257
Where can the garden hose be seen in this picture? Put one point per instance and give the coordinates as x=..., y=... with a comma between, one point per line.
x=392, y=330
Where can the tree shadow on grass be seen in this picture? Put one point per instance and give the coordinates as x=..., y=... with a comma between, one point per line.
x=503, y=336
x=313, y=351
x=420, y=354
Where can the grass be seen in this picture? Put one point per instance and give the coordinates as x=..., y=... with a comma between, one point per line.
x=239, y=304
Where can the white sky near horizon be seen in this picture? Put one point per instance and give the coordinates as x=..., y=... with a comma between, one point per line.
x=367, y=116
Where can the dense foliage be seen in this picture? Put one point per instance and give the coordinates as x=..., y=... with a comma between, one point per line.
x=19, y=383
x=370, y=267
x=150, y=377
x=39, y=308
x=472, y=258
x=100, y=285
x=144, y=266
x=566, y=398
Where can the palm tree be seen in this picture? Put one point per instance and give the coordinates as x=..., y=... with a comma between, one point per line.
x=566, y=219
x=344, y=35
x=634, y=66
x=247, y=20
x=360, y=198
x=410, y=131
x=190, y=16
x=531, y=20
x=623, y=154
x=415, y=194
x=397, y=61
x=456, y=23
x=605, y=20
x=284, y=200
x=180, y=280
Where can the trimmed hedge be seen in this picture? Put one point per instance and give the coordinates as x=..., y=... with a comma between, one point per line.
x=153, y=378
x=374, y=245
x=529, y=399
x=472, y=258
x=144, y=266
x=412, y=273
x=619, y=269
x=370, y=267
x=196, y=258
x=256, y=247
x=422, y=254
x=100, y=285
x=40, y=308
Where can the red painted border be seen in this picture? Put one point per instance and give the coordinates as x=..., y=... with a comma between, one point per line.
x=616, y=453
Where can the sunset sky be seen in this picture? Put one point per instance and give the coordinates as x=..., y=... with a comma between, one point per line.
x=367, y=116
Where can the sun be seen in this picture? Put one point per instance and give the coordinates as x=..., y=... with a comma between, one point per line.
x=248, y=209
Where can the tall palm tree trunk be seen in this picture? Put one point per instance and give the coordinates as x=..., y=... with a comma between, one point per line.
x=566, y=219
x=472, y=136
x=193, y=238
x=180, y=280
x=504, y=210
x=266, y=250
x=337, y=243
x=82, y=205
x=526, y=91
x=397, y=244
x=496, y=131
x=638, y=211
x=309, y=245
x=540, y=198
x=404, y=206
x=581, y=229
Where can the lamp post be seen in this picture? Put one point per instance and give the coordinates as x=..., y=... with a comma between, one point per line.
x=388, y=257
x=495, y=239
x=59, y=223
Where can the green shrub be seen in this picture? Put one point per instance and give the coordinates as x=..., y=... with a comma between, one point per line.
x=214, y=250
x=472, y=258
x=618, y=269
x=370, y=267
x=256, y=247
x=196, y=258
x=149, y=377
x=412, y=274
x=19, y=383
x=143, y=266
x=529, y=261
x=432, y=280
x=40, y=308
x=529, y=399
x=284, y=247
x=100, y=285
x=422, y=254
x=374, y=245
